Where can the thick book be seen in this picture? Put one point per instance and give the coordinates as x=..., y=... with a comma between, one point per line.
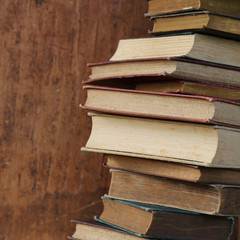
x=202, y=22
x=196, y=144
x=154, y=221
x=172, y=170
x=162, y=105
x=96, y=230
x=194, y=46
x=132, y=71
x=158, y=7
x=192, y=88
x=202, y=198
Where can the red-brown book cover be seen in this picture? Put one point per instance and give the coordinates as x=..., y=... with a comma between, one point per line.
x=157, y=76
x=169, y=117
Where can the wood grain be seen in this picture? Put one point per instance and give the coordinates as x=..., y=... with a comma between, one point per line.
x=45, y=181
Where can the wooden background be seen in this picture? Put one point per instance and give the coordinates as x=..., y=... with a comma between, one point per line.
x=45, y=181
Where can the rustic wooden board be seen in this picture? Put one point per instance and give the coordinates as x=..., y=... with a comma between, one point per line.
x=45, y=181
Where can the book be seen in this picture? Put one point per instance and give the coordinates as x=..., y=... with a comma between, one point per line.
x=162, y=105
x=193, y=88
x=172, y=170
x=191, y=143
x=163, y=222
x=202, y=21
x=194, y=46
x=146, y=70
x=201, y=198
x=95, y=230
x=157, y=7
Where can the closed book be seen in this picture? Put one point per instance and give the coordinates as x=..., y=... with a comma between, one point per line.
x=154, y=221
x=172, y=170
x=163, y=105
x=130, y=72
x=158, y=7
x=201, y=198
x=201, y=22
x=96, y=230
x=191, y=143
x=194, y=46
x=192, y=88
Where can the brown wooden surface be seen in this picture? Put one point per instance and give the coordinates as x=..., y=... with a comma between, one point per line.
x=45, y=181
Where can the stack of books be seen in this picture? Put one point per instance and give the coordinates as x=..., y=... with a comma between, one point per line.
x=166, y=113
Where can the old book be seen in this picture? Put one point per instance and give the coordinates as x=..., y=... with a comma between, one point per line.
x=187, y=87
x=230, y=7
x=191, y=143
x=90, y=231
x=162, y=105
x=160, y=69
x=163, y=222
x=202, y=198
x=201, y=21
x=172, y=170
x=194, y=46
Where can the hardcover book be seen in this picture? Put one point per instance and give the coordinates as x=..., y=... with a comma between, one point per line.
x=161, y=222
x=163, y=105
x=202, y=22
x=191, y=143
x=158, y=7
x=128, y=73
x=194, y=46
x=172, y=170
x=201, y=198
x=98, y=231
x=192, y=88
